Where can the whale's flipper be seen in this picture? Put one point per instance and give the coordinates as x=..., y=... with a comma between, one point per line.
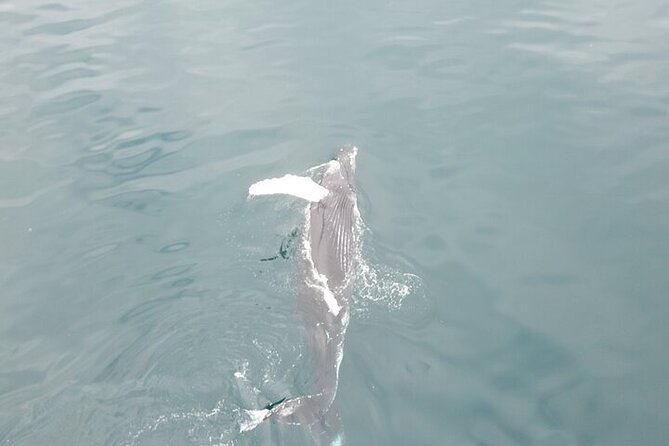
x=301, y=187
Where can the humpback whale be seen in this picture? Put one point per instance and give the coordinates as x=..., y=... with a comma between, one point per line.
x=327, y=264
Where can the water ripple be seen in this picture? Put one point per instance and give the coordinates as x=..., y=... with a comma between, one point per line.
x=66, y=27
x=513, y=159
x=67, y=102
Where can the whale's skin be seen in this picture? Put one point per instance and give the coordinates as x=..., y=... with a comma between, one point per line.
x=324, y=295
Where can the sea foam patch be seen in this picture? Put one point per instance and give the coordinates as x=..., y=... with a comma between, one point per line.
x=301, y=187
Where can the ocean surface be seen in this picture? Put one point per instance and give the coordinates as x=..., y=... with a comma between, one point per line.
x=513, y=176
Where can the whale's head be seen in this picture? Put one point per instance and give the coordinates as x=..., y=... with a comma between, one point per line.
x=346, y=157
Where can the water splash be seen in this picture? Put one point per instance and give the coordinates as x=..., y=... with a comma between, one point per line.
x=377, y=282
x=384, y=284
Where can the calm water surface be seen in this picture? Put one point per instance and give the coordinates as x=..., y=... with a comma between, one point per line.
x=513, y=173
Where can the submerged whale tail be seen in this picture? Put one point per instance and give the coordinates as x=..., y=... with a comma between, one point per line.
x=306, y=410
x=271, y=406
x=272, y=410
x=311, y=410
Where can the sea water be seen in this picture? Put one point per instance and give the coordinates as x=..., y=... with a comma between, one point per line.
x=513, y=177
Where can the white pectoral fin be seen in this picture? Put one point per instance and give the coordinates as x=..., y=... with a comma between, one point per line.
x=302, y=187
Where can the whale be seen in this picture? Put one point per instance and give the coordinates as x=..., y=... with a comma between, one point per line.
x=327, y=264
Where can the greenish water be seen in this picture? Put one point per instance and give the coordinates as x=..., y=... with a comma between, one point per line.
x=513, y=173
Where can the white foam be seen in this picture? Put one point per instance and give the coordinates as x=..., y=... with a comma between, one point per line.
x=328, y=295
x=301, y=187
x=332, y=165
x=319, y=281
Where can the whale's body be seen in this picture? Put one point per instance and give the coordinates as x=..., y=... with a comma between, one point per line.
x=324, y=292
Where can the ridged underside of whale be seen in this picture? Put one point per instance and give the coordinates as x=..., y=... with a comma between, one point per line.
x=332, y=235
